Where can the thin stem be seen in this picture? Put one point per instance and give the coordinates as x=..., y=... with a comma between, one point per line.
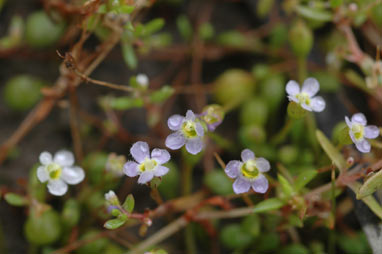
x=301, y=67
x=280, y=137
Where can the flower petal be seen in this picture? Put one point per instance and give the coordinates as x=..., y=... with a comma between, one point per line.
x=263, y=164
x=241, y=185
x=145, y=177
x=140, y=151
x=131, y=168
x=57, y=187
x=73, y=175
x=190, y=115
x=175, y=140
x=292, y=88
x=42, y=174
x=64, y=158
x=45, y=158
x=232, y=168
x=363, y=146
x=318, y=104
x=247, y=154
x=161, y=170
x=194, y=146
x=175, y=122
x=306, y=107
x=160, y=155
x=348, y=122
x=199, y=129
x=371, y=131
x=293, y=98
x=260, y=185
x=310, y=86
x=359, y=118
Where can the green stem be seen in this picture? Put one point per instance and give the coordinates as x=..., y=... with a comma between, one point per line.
x=280, y=137
x=301, y=67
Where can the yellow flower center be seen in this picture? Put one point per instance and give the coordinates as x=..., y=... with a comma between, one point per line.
x=358, y=130
x=188, y=129
x=249, y=169
x=303, y=98
x=54, y=171
x=147, y=165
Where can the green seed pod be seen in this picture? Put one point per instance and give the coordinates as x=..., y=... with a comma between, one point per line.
x=300, y=39
x=218, y=182
x=234, y=87
x=252, y=134
x=261, y=71
x=42, y=229
x=41, y=31
x=233, y=237
x=21, y=92
x=254, y=111
x=251, y=225
x=273, y=91
x=71, y=213
x=295, y=111
x=288, y=154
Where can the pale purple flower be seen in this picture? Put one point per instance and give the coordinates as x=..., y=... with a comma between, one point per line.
x=248, y=173
x=146, y=166
x=59, y=171
x=188, y=131
x=305, y=96
x=359, y=132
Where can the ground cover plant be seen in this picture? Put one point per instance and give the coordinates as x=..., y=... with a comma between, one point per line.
x=171, y=126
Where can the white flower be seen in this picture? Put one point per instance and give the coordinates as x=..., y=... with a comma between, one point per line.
x=147, y=166
x=248, y=173
x=188, y=131
x=59, y=171
x=142, y=80
x=304, y=97
x=358, y=132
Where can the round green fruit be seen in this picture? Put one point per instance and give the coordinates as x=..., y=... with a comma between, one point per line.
x=43, y=229
x=41, y=31
x=22, y=92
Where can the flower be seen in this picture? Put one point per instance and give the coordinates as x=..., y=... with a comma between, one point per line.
x=248, y=173
x=112, y=198
x=213, y=116
x=187, y=131
x=142, y=80
x=59, y=171
x=114, y=164
x=358, y=131
x=304, y=97
x=147, y=166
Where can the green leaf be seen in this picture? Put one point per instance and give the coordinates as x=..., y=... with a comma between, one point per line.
x=162, y=94
x=126, y=9
x=370, y=185
x=129, y=203
x=153, y=26
x=115, y=223
x=268, y=205
x=304, y=178
x=184, y=27
x=286, y=186
x=206, y=31
x=15, y=199
x=125, y=102
x=314, y=13
x=370, y=201
x=264, y=7
x=331, y=151
x=335, y=3
x=129, y=55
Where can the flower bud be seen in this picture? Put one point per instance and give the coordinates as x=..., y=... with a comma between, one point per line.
x=111, y=198
x=301, y=39
x=115, y=164
x=213, y=116
x=254, y=111
x=295, y=111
